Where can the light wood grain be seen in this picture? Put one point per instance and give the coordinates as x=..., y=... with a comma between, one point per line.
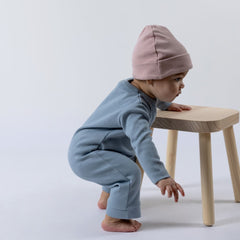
x=233, y=161
x=171, y=152
x=206, y=178
x=199, y=119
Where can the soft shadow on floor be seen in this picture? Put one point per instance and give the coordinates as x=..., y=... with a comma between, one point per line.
x=186, y=213
x=156, y=202
x=150, y=225
x=228, y=221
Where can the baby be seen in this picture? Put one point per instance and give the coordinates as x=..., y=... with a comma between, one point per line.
x=105, y=149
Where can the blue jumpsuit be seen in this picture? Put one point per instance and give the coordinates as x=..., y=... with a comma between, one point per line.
x=105, y=148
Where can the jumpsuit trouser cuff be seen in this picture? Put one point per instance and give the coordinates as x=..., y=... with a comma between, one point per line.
x=130, y=213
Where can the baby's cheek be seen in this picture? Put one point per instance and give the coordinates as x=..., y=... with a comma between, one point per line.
x=175, y=90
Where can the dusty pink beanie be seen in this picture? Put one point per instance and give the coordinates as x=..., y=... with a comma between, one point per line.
x=158, y=54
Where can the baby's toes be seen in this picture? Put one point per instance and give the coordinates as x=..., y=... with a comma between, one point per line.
x=137, y=224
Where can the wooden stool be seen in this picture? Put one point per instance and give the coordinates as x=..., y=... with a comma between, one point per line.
x=203, y=120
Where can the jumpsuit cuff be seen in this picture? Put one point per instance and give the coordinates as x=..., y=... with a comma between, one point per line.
x=106, y=189
x=130, y=213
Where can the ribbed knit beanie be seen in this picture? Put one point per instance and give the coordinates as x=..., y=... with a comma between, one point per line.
x=158, y=54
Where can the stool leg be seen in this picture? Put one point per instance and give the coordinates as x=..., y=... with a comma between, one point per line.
x=206, y=179
x=233, y=160
x=171, y=152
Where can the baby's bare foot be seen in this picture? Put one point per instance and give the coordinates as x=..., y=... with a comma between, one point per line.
x=102, y=202
x=110, y=224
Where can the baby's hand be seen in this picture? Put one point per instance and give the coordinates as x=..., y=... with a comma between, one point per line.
x=171, y=186
x=178, y=107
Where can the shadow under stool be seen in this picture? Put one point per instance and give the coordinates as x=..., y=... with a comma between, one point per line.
x=203, y=120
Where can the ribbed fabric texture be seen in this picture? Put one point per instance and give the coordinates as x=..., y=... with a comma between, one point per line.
x=158, y=54
x=121, y=123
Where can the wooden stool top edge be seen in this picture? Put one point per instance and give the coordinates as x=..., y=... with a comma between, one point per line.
x=199, y=119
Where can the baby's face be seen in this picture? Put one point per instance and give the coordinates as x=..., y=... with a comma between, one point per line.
x=169, y=88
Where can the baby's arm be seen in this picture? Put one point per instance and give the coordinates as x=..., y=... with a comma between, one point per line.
x=135, y=124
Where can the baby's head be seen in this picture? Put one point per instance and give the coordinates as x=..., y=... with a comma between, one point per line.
x=160, y=62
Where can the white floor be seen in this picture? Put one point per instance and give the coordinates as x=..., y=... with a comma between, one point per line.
x=40, y=198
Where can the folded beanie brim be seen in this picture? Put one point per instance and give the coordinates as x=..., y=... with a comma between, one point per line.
x=163, y=68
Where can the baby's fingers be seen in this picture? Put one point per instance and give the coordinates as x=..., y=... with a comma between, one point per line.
x=180, y=189
x=178, y=109
x=169, y=190
x=185, y=107
x=163, y=190
x=175, y=192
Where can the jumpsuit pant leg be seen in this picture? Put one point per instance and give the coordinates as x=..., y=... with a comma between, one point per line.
x=106, y=189
x=113, y=171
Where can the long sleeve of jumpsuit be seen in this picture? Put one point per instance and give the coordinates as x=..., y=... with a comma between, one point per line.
x=162, y=105
x=135, y=124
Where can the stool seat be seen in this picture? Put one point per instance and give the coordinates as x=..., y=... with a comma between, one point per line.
x=199, y=119
x=203, y=120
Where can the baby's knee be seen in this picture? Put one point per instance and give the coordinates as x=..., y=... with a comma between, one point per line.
x=75, y=161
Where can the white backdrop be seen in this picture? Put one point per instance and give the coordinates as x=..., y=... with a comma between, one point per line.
x=60, y=58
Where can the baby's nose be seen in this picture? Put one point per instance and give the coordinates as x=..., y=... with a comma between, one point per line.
x=182, y=85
